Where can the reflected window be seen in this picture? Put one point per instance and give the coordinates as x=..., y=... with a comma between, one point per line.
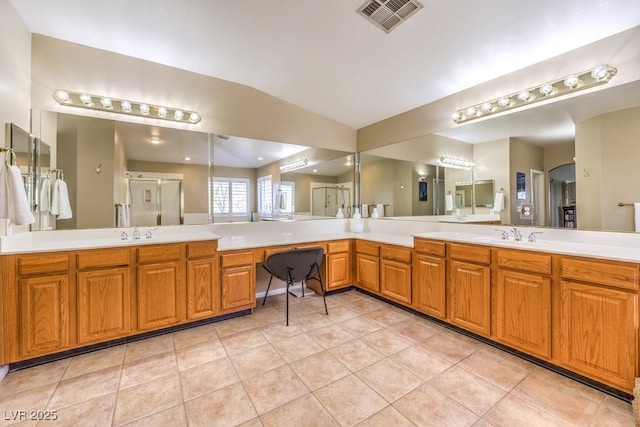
x=265, y=188
x=230, y=196
x=289, y=191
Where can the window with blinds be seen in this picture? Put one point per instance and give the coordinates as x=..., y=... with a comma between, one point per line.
x=265, y=188
x=230, y=196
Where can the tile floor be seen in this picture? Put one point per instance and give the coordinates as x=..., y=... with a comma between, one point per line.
x=367, y=363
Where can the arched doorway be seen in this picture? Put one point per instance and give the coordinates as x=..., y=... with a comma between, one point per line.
x=562, y=196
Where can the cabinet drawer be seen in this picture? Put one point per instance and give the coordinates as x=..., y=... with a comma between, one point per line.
x=396, y=253
x=610, y=273
x=525, y=261
x=43, y=263
x=271, y=251
x=237, y=258
x=341, y=246
x=473, y=253
x=429, y=247
x=364, y=247
x=159, y=253
x=202, y=249
x=102, y=258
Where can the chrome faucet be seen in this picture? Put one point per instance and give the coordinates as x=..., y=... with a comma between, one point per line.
x=136, y=233
x=532, y=236
x=516, y=235
x=123, y=236
x=504, y=235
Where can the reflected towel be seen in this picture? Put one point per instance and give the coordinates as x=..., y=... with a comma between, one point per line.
x=122, y=215
x=4, y=193
x=636, y=216
x=18, y=209
x=45, y=195
x=498, y=202
x=380, y=208
x=64, y=207
x=55, y=199
x=448, y=202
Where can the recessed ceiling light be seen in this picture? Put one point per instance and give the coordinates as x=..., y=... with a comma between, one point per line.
x=315, y=170
x=186, y=158
x=259, y=158
x=154, y=141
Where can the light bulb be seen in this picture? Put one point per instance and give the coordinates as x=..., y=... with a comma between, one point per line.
x=106, y=103
x=194, y=118
x=524, y=95
x=546, y=89
x=126, y=106
x=486, y=107
x=162, y=112
x=86, y=99
x=599, y=73
x=503, y=102
x=144, y=109
x=571, y=81
x=178, y=114
x=62, y=96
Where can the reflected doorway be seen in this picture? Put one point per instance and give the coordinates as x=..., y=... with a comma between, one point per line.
x=155, y=202
x=562, y=196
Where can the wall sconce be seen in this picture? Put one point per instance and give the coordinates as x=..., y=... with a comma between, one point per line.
x=296, y=164
x=121, y=106
x=451, y=161
x=560, y=87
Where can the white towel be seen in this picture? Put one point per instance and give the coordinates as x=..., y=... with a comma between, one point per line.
x=55, y=199
x=380, y=207
x=18, y=207
x=122, y=217
x=45, y=195
x=4, y=193
x=448, y=202
x=498, y=202
x=636, y=216
x=63, y=200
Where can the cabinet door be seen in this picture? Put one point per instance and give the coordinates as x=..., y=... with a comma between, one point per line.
x=44, y=314
x=160, y=295
x=103, y=304
x=203, y=294
x=470, y=297
x=338, y=270
x=368, y=272
x=238, y=288
x=429, y=285
x=524, y=312
x=599, y=335
x=395, y=280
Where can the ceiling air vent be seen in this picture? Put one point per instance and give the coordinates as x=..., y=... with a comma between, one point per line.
x=387, y=14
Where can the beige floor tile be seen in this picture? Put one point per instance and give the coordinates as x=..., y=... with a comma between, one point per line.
x=256, y=361
x=360, y=325
x=363, y=306
x=198, y=354
x=256, y=422
x=450, y=347
x=311, y=321
x=174, y=417
x=340, y=313
x=493, y=369
x=304, y=411
x=274, y=388
x=389, y=416
x=386, y=316
x=193, y=336
x=350, y=400
x=614, y=412
x=297, y=347
x=94, y=361
x=356, y=354
x=389, y=379
x=512, y=411
x=267, y=316
x=413, y=331
x=509, y=358
x=144, y=370
x=148, y=347
x=85, y=387
x=426, y=406
x=207, y=378
x=569, y=385
x=33, y=399
x=319, y=370
x=228, y=406
x=317, y=305
x=471, y=391
x=331, y=336
x=386, y=342
x=541, y=391
x=243, y=341
x=279, y=331
x=147, y=399
x=234, y=326
x=31, y=378
x=421, y=362
x=95, y=412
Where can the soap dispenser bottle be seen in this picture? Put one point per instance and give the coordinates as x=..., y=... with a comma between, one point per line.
x=357, y=225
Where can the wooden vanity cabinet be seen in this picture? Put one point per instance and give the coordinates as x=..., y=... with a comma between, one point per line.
x=429, y=277
x=395, y=273
x=469, y=287
x=237, y=280
x=161, y=292
x=103, y=294
x=599, y=324
x=338, y=260
x=523, y=300
x=203, y=292
x=368, y=265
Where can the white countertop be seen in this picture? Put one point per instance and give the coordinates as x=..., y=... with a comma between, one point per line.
x=233, y=236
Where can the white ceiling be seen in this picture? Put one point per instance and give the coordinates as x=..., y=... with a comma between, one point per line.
x=326, y=58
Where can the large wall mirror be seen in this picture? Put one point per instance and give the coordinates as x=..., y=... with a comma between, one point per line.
x=122, y=174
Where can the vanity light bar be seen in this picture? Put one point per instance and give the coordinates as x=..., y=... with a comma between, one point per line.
x=121, y=106
x=452, y=161
x=296, y=164
x=560, y=87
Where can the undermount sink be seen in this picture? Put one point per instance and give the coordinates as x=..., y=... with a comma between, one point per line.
x=498, y=239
